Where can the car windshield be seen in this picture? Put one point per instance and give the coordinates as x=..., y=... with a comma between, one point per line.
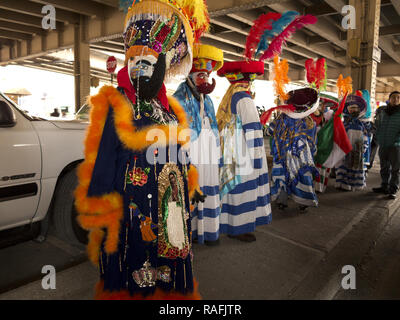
x=83, y=113
x=23, y=112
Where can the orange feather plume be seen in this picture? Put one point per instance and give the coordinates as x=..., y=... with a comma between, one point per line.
x=281, y=69
x=344, y=86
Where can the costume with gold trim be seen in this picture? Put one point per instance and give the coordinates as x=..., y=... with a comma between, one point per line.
x=136, y=184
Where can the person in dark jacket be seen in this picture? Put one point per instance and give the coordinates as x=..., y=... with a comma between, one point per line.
x=388, y=138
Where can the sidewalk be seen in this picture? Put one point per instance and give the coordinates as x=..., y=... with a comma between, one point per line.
x=297, y=256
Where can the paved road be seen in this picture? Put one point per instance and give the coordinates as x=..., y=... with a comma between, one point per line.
x=298, y=256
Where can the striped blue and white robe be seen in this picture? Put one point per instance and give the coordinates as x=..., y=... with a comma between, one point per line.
x=351, y=172
x=247, y=203
x=293, y=148
x=205, y=154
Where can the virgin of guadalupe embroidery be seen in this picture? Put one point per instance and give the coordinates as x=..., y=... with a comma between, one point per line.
x=173, y=238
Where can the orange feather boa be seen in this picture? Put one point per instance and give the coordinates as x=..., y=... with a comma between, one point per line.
x=106, y=211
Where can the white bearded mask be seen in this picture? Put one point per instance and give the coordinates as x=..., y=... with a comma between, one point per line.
x=141, y=66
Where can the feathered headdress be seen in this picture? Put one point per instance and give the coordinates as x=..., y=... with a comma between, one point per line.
x=274, y=27
x=275, y=47
x=344, y=86
x=277, y=27
x=366, y=96
x=264, y=22
x=316, y=73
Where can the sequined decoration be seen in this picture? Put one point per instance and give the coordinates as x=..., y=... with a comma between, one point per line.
x=145, y=276
x=155, y=164
x=126, y=174
x=137, y=177
x=126, y=242
x=164, y=274
x=165, y=247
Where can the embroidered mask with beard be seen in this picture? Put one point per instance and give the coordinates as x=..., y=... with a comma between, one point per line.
x=147, y=75
x=200, y=80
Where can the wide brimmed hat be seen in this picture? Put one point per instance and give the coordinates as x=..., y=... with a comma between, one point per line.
x=241, y=70
x=355, y=100
x=306, y=99
x=331, y=100
x=300, y=104
x=207, y=58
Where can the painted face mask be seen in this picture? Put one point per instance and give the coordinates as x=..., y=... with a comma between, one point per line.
x=147, y=74
x=141, y=66
x=200, y=80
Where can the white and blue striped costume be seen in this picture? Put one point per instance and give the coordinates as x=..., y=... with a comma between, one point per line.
x=205, y=154
x=247, y=204
x=293, y=148
x=350, y=174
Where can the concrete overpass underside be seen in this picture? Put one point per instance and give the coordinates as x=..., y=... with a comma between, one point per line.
x=93, y=29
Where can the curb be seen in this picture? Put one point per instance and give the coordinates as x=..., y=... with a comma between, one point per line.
x=324, y=281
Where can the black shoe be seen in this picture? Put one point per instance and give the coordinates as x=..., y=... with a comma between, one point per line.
x=303, y=209
x=211, y=243
x=282, y=206
x=383, y=190
x=246, y=237
x=392, y=196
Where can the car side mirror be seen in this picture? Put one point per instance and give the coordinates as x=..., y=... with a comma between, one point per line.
x=7, y=116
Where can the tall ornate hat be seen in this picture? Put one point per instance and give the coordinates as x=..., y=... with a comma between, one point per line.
x=207, y=58
x=164, y=26
x=268, y=34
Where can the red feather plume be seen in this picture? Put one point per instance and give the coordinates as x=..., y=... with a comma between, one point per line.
x=320, y=73
x=264, y=22
x=275, y=46
x=311, y=71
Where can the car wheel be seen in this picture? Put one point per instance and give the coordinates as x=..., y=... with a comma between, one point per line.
x=64, y=212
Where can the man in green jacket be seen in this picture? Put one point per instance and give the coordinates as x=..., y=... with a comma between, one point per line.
x=388, y=137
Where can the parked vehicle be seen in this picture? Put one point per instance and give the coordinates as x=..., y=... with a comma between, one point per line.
x=83, y=113
x=38, y=161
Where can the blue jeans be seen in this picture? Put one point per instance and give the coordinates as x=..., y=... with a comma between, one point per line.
x=390, y=167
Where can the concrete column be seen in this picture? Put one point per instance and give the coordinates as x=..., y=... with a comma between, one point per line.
x=81, y=63
x=361, y=43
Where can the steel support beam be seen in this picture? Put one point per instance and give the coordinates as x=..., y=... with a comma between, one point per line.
x=11, y=26
x=389, y=30
x=35, y=9
x=81, y=63
x=223, y=7
x=396, y=5
x=87, y=8
x=322, y=27
x=14, y=35
x=362, y=42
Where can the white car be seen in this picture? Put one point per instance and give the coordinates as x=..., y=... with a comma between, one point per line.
x=38, y=161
